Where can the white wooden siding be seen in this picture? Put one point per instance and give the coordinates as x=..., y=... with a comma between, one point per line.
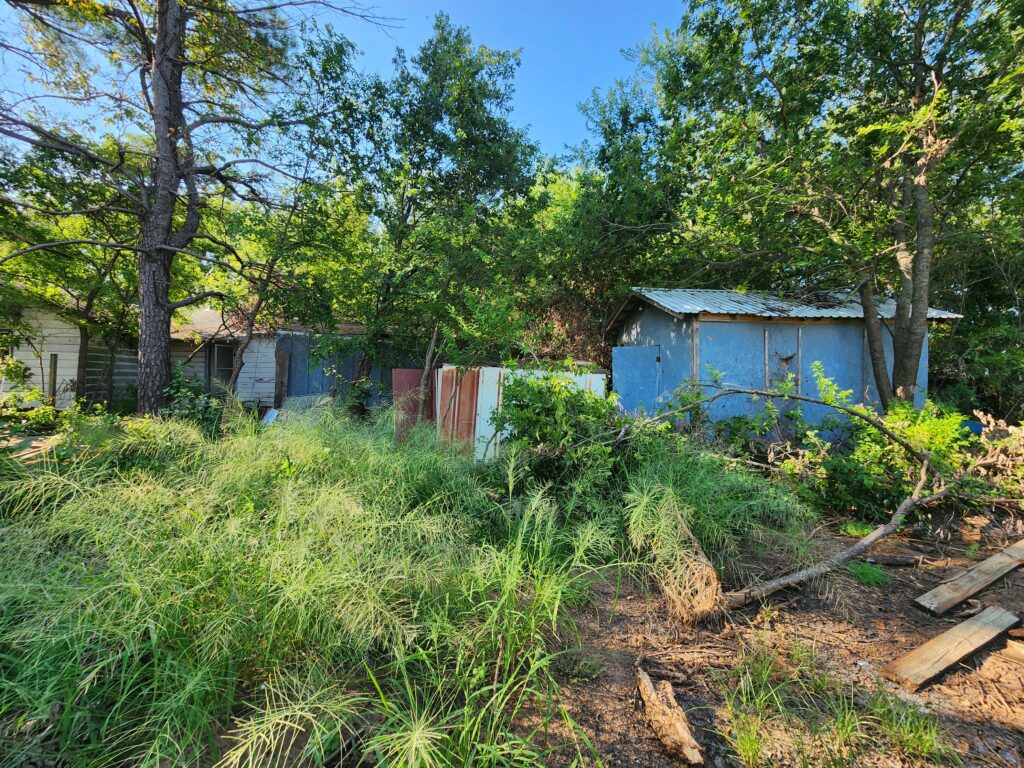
x=255, y=380
x=52, y=335
x=194, y=368
x=125, y=371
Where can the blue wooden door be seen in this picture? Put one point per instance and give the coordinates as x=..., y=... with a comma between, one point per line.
x=636, y=377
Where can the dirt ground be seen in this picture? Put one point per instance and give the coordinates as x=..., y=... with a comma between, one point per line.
x=853, y=629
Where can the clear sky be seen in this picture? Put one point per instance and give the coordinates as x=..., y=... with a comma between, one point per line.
x=569, y=47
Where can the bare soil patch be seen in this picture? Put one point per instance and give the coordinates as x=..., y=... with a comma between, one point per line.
x=853, y=629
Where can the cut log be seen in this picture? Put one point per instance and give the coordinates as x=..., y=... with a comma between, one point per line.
x=895, y=560
x=928, y=661
x=668, y=719
x=973, y=580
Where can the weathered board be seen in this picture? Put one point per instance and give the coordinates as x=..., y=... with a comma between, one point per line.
x=928, y=661
x=973, y=580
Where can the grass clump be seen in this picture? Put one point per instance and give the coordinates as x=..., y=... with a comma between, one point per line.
x=177, y=599
x=869, y=574
x=690, y=510
x=785, y=698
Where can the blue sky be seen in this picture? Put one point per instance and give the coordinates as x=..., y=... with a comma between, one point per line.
x=569, y=47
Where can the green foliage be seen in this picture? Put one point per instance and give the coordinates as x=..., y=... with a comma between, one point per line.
x=189, y=400
x=856, y=529
x=876, y=474
x=982, y=366
x=868, y=574
x=23, y=407
x=564, y=431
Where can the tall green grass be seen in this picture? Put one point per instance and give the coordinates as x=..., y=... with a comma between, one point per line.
x=297, y=594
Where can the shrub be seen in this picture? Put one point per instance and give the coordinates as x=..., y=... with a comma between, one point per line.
x=189, y=401
x=562, y=429
x=871, y=475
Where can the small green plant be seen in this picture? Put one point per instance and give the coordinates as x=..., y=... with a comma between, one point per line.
x=576, y=667
x=868, y=574
x=856, y=529
x=747, y=738
x=915, y=733
x=189, y=401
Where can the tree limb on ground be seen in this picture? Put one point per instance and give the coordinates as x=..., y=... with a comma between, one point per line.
x=667, y=718
x=760, y=591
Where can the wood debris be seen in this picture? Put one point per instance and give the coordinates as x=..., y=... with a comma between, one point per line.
x=1014, y=651
x=973, y=580
x=928, y=661
x=667, y=718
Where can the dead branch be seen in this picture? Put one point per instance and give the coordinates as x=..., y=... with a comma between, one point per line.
x=760, y=591
x=667, y=718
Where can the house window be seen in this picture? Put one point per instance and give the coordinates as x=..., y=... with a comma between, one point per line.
x=221, y=364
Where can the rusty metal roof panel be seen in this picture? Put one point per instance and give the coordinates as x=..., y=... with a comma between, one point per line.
x=691, y=301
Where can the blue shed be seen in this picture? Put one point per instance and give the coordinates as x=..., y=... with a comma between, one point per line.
x=665, y=338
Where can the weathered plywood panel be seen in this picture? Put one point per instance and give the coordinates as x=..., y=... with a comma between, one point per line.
x=256, y=379
x=973, y=580
x=928, y=661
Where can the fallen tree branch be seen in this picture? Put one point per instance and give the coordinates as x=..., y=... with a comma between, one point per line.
x=667, y=718
x=760, y=591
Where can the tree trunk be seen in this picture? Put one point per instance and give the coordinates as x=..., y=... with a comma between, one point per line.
x=159, y=240
x=876, y=347
x=909, y=346
x=428, y=365
x=154, y=333
x=83, y=361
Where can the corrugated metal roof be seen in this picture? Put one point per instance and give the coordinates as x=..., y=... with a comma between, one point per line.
x=689, y=301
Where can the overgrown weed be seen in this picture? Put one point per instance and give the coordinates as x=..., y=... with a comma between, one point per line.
x=285, y=595
x=773, y=690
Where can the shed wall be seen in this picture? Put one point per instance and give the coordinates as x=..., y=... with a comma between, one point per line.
x=754, y=353
x=648, y=326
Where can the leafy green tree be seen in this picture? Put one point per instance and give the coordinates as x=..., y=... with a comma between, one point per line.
x=849, y=137
x=197, y=102
x=443, y=170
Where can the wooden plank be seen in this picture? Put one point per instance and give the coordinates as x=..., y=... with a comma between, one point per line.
x=928, y=661
x=973, y=580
